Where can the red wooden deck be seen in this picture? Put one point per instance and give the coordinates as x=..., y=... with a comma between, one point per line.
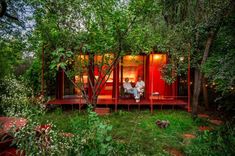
x=108, y=101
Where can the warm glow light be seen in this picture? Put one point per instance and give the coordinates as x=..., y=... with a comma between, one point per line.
x=108, y=55
x=181, y=58
x=82, y=57
x=76, y=78
x=131, y=57
x=79, y=79
x=85, y=79
x=157, y=56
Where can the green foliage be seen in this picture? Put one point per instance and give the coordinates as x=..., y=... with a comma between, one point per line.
x=218, y=142
x=96, y=139
x=93, y=139
x=219, y=69
x=133, y=133
x=189, y=24
x=168, y=73
x=107, y=29
x=33, y=76
x=61, y=59
x=16, y=99
x=10, y=56
x=222, y=76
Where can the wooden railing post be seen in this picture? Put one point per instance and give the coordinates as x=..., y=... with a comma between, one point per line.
x=189, y=78
x=116, y=85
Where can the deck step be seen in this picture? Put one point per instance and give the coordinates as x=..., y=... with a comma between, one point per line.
x=102, y=111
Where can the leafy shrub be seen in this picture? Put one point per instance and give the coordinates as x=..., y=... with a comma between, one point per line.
x=44, y=142
x=218, y=142
x=90, y=136
x=95, y=136
x=16, y=99
x=33, y=76
x=92, y=139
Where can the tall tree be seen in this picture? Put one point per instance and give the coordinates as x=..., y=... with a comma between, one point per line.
x=13, y=34
x=105, y=29
x=203, y=19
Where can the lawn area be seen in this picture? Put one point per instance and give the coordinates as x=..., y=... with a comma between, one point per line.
x=137, y=128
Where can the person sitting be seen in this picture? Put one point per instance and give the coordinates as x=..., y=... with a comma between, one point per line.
x=140, y=85
x=129, y=89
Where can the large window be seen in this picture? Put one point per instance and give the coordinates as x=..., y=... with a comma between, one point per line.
x=132, y=67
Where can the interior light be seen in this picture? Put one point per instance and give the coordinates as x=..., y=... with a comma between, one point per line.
x=157, y=56
x=181, y=58
x=108, y=55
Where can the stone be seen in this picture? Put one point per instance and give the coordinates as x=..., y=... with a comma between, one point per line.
x=216, y=122
x=203, y=116
x=189, y=136
x=204, y=128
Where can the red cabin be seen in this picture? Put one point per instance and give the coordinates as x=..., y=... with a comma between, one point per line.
x=157, y=91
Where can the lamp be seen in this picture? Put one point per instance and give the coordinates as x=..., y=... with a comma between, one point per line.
x=157, y=56
x=181, y=58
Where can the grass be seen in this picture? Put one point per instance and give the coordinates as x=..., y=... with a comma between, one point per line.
x=137, y=128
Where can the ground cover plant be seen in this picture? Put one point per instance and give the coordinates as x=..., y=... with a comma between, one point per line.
x=70, y=132
x=38, y=138
x=138, y=129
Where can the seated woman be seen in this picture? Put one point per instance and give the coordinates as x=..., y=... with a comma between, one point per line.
x=129, y=89
x=140, y=85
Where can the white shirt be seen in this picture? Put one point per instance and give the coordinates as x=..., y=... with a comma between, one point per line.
x=140, y=84
x=127, y=85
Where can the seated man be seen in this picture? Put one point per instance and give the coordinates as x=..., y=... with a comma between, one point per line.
x=140, y=85
x=129, y=89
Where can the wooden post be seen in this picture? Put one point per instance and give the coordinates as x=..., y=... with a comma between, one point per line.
x=42, y=81
x=147, y=79
x=152, y=85
x=121, y=71
x=116, y=84
x=189, y=78
x=60, y=84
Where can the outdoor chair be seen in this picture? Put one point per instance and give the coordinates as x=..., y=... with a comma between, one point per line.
x=126, y=95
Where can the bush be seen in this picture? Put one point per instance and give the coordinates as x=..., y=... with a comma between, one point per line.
x=16, y=99
x=33, y=76
x=93, y=139
x=218, y=142
x=90, y=137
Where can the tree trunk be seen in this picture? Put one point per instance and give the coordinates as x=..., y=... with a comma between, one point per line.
x=198, y=74
x=205, y=93
x=196, y=91
x=94, y=101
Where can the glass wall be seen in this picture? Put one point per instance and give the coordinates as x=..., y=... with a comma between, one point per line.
x=156, y=83
x=133, y=66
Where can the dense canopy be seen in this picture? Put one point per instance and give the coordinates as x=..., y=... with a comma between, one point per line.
x=41, y=38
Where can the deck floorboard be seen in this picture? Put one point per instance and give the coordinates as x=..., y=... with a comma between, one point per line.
x=77, y=101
